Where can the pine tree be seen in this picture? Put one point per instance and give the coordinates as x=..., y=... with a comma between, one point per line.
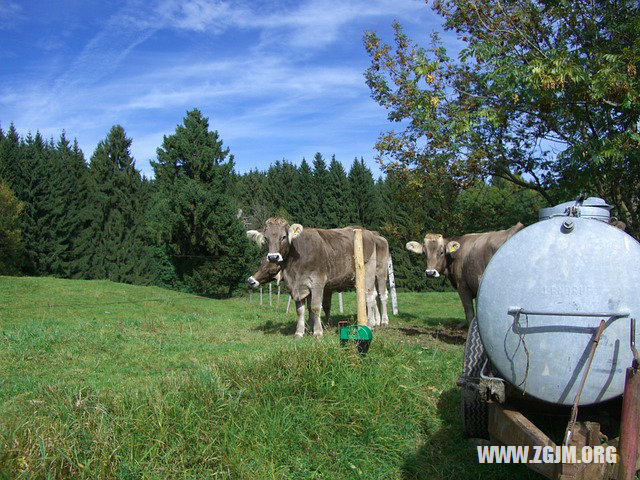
x=119, y=252
x=364, y=195
x=338, y=209
x=42, y=208
x=281, y=178
x=320, y=178
x=304, y=197
x=10, y=157
x=193, y=213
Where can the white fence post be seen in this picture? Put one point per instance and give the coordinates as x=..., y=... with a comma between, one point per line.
x=392, y=287
x=340, y=302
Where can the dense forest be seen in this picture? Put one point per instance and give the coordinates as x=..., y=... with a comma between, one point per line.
x=184, y=229
x=540, y=105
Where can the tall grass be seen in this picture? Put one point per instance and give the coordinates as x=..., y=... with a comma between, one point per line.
x=189, y=388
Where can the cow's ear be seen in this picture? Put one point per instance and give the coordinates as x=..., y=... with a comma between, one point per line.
x=294, y=231
x=256, y=236
x=414, y=247
x=452, y=248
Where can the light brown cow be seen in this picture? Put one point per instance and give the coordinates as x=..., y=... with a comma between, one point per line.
x=462, y=260
x=269, y=271
x=317, y=262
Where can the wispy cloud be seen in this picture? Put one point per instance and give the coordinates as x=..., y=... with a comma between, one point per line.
x=267, y=78
x=10, y=12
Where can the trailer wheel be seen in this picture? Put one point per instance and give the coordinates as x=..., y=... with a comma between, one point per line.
x=475, y=413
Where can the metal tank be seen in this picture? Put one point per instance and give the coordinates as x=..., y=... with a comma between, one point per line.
x=542, y=298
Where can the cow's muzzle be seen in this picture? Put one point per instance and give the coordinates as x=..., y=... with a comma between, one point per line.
x=274, y=257
x=253, y=282
x=432, y=273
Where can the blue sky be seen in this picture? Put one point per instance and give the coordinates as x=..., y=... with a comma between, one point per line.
x=278, y=79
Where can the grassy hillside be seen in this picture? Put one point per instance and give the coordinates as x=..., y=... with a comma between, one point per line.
x=105, y=380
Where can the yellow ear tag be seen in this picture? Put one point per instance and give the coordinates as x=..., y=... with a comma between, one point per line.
x=453, y=247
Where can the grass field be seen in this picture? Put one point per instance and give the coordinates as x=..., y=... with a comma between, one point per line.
x=104, y=380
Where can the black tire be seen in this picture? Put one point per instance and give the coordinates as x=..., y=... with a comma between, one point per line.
x=475, y=412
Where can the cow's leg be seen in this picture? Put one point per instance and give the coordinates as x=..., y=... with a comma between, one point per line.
x=467, y=303
x=300, y=325
x=326, y=306
x=316, y=309
x=382, y=299
x=373, y=314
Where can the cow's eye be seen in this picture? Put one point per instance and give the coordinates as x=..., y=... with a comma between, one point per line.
x=441, y=252
x=283, y=237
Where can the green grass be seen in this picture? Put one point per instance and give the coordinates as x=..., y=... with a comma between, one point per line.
x=104, y=380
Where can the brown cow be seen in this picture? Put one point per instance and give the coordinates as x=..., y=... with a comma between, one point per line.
x=269, y=271
x=317, y=262
x=462, y=259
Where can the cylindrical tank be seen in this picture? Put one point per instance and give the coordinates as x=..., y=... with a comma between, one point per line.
x=543, y=295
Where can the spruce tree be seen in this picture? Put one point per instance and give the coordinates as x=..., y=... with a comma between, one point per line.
x=42, y=208
x=119, y=252
x=10, y=158
x=304, y=197
x=281, y=178
x=320, y=178
x=338, y=209
x=193, y=213
x=364, y=195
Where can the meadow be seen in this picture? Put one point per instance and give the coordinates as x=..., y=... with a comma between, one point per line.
x=104, y=380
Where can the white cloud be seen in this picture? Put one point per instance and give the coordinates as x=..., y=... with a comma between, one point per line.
x=10, y=12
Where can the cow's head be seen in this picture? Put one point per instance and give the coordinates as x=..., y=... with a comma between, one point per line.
x=267, y=272
x=278, y=235
x=437, y=251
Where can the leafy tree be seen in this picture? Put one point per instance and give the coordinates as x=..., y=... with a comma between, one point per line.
x=118, y=230
x=364, y=196
x=535, y=77
x=10, y=244
x=338, y=207
x=193, y=215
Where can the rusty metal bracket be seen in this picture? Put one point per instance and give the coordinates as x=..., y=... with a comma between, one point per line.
x=574, y=408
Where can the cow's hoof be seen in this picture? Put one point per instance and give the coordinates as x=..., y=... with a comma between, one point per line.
x=298, y=336
x=318, y=335
x=385, y=324
x=462, y=326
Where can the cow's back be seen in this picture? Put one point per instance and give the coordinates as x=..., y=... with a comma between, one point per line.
x=327, y=255
x=479, y=250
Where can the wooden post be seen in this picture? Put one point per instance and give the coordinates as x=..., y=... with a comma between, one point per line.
x=340, y=302
x=250, y=297
x=392, y=287
x=278, y=302
x=288, y=304
x=270, y=301
x=358, y=256
x=260, y=295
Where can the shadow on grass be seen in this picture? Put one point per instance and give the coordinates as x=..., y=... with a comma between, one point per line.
x=277, y=328
x=453, y=336
x=447, y=454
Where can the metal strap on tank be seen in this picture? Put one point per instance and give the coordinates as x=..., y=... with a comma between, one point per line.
x=517, y=311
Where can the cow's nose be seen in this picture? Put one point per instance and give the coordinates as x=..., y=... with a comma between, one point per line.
x=274, y=257
x=253, y=282
x=432, y=273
